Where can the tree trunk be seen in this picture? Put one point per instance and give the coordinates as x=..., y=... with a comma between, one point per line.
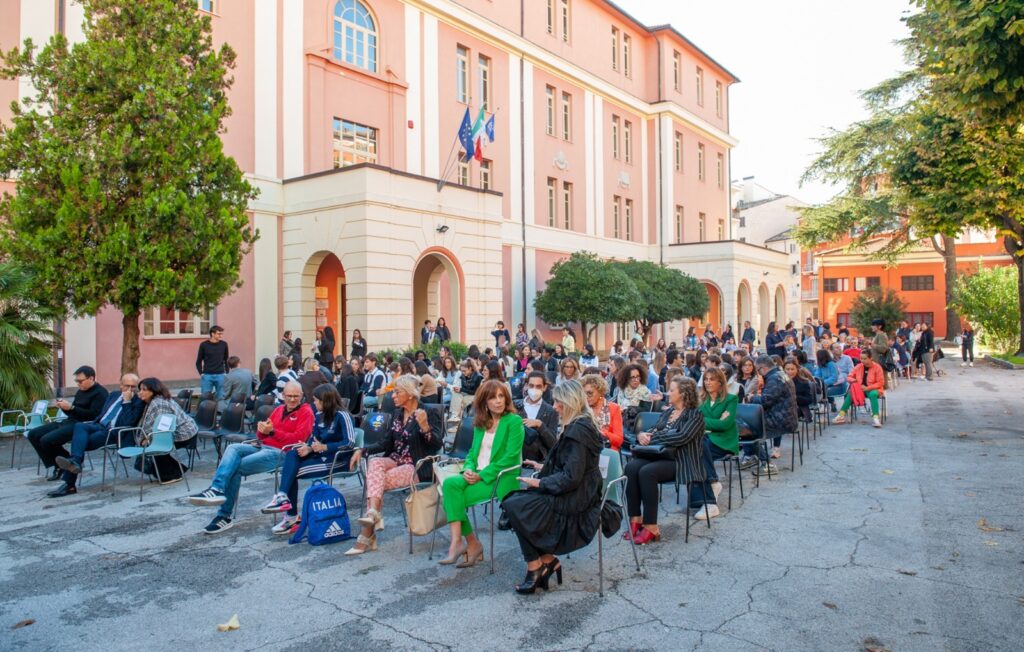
x=948, y=253
x=130, y=344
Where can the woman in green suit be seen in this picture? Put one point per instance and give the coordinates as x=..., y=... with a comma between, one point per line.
x=497, y=445
x=721, y=438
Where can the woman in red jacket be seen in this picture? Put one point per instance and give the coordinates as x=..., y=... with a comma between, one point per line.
x=871, y=378
x=607, y=413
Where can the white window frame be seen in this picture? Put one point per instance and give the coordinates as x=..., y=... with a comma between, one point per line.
x=552, y=203
x=484, y=77
x=549, y=92
x=151, y=325
x=677, y=71
x=567, y=205
x=566, y=23
x=566, y=116
x=347, y=32
x=721, y=229
x=616, y=152
x=615, y=48
x=679, y=151
x=462, y=74
x=629, y=219
x=627, y=52
x=357, y=140
x=485, y=174
x=702, y=223
x=616, y=216
x=700, y=161
x=720, y=170
x=463, y=169
x=551, y=17
x=719, y=93
x=627, y=140
x=700, y=86
x=209, y=6
x=680, y=216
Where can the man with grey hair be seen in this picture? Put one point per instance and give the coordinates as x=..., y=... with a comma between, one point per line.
x=778, y=399
x=290, y=423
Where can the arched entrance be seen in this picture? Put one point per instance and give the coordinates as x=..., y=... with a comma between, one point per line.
x=742, y=304
x=437, y=290
x=329, y=298
x=764, y=308
x=780, y=305
x=714, y=313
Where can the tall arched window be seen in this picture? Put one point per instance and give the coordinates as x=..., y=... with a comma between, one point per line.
x=355, y=35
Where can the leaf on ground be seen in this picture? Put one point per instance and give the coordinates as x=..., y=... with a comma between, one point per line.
x=970, y=494
x=906, y=572
x=985, y=527
x=23, y=623
x=859, y=450
x=872, y=644
x=990, y=543
x=231, y=625
x=830, y=605
x=888, y=471
x=893, y=489
x=961, y=434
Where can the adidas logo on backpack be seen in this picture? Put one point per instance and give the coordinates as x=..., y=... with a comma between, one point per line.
x=324, y=516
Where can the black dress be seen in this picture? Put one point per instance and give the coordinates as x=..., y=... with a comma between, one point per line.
x=561, y=515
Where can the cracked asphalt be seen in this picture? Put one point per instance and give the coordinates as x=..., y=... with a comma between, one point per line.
x=904, y=538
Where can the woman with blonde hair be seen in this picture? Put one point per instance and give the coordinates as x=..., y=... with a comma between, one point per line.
x=558, y=512
x=607, y=413
x=497, y=446
x=569, y=369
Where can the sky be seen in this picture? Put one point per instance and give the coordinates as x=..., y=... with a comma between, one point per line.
x=801, y=65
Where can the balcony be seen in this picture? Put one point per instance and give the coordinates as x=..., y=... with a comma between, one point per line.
x=809, y=295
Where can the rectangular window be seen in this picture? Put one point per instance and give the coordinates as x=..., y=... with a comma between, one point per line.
x=917, y=283
x=721, y=229
x=208, y=5
x=168, y=323
x=720, y=170
x=629, y=219
x=627, y=55
x=794, y=269
x=462, y=74
x=615, y=48
x=679, y=152
x=677, y=71
x=566, y=116
x=842, y=320
x=792, y=250
x=616, y=217
x=702, y=221
x=835, y=285
x=552, y=185
x=484, y=73
x=627, y=135
x=549, y=96
x=551, y=16
x=919, y=318
x=567, y=205
x=700, y=86
x=463, y=170
x=679, y=225
x=700, y=161
x=353, y=143
x=862, y=283
x=485, y=174
x=719, y=90
x=615, y=137
x=565, y=20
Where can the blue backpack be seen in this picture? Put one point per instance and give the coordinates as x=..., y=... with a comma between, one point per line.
x=324, y=516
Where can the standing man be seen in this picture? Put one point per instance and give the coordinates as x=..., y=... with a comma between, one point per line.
x=49, y=438
x=749, y=336
x=211, y=363
x=426, y=332
x=927, y=343
x=967, y=346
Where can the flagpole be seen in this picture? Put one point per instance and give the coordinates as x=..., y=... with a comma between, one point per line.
x=448, y=160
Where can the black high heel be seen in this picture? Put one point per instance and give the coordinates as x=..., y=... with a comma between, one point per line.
x=533, y=579
x=553, y=567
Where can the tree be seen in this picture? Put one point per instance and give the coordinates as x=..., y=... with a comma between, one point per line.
x=666, y=294
x=876, y=303
x=125, y=196
x=26, y=341
x=586, y=289
x=988, y=299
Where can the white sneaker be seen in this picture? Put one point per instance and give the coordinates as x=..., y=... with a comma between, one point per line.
x=712, y=512
x=963, y=364
x=876, y=422
x=286, y=525
x=716, y=488
x=971, y=364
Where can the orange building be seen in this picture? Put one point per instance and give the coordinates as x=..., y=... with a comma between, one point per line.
x=834, y=276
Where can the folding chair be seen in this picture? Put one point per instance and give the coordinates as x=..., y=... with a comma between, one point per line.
x=753, y=415
x=463, y=439
x=23, y=422
x=231, y=429
x=613, y=489
x=184, y=400
x=206, y=420
x=161, y=442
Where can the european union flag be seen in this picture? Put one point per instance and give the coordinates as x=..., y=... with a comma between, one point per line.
x=466, y=135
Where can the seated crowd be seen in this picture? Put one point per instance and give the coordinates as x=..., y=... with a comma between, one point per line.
x=540, y=416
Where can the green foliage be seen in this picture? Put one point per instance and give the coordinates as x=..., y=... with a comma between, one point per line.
x=586, y=289
x=874, y=303
x=666, y=294
x=458, y=349
x=26, y=341
x=988, y=299
x=125, y=196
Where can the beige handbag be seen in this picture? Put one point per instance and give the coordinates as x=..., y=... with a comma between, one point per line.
x=423, y=511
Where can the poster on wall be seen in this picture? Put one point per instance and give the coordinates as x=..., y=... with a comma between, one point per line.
x=322, y=304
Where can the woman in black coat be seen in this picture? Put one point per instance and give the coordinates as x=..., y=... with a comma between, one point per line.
x=327, y=348
x=348, y=386
x=559, y=510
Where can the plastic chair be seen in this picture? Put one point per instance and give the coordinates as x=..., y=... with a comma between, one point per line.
x=206, y=420
x=184, y=400
x=614, y=489
x=161, y=442
x=463, y=439
x=231, y=429
x=23, y=422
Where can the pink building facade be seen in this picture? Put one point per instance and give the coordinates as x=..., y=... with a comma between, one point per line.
x=610, y=136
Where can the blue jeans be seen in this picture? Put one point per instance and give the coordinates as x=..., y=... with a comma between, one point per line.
x=698, y=490
x=242, y=460
x=369, y=401
x=311, y=466
x=833, y=391
x=211, y=383
x=86, y=437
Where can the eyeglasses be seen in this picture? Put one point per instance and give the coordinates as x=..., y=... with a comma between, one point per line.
x=634, y=377
x=129, y=386
x=79, y=381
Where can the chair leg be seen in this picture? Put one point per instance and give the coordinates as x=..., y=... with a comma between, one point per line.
x=142, y=476
x=686, y=538
x=739, y=474
x=433, y=535
x=492, y=534
x=600, y=559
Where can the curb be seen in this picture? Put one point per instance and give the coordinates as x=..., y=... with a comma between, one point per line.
x=1005, y=364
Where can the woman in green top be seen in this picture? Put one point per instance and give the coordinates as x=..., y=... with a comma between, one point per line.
x=497, y=447
x=721, y=439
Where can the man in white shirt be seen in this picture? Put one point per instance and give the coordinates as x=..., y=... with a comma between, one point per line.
x=539, y=418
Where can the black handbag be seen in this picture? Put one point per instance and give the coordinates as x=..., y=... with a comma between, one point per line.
x=653, y=452
x=611, y=519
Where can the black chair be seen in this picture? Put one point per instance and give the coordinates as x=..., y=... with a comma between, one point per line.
x=184, y=400
x=263, y=413
x=753, y=415
x=552, y=377
x=206, y=419
x=463, y=439
x=375, y=427
x=728, y=463
x=231, y=428
x=386, y=403
x=647, y=420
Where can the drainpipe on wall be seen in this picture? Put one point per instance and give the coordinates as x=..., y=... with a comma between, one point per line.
x=522, y=154
x=661, y=193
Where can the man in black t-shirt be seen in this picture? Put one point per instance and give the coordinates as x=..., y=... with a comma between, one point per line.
x=211, y=363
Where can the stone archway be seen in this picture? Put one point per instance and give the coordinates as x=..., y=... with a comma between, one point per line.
x=322, y=301
x=437, y=290
x=780, y=305
x=714, y=313
x=743, y=304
